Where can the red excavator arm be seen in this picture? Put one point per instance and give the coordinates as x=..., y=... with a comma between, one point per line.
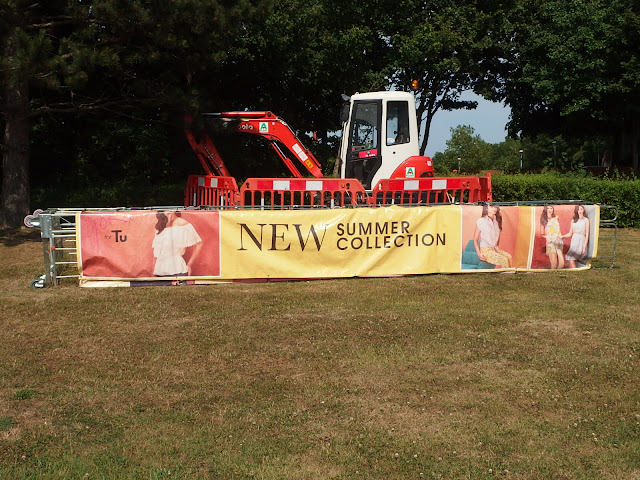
x=205, y=150
x=261, y=123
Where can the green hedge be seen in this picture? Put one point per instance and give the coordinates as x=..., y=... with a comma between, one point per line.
x=620, y=191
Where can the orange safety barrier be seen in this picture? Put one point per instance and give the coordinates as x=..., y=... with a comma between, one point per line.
x=404, y=191
x=300, y=192
x=211, y=191
x=217, y=191
x=486, y=193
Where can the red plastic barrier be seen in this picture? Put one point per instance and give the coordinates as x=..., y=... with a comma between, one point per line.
x=486, y=193
x=211, y=191
x=219, y=191
x=300, y=192
x=404, y=191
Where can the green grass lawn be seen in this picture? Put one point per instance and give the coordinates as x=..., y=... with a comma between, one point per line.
x=479, y=376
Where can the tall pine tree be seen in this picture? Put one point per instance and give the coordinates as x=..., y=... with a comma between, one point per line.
x=82, y=55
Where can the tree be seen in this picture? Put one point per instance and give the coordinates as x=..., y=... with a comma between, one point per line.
x=307, y=52
x=127, y=57
x=466, y=152
x=506, y=156
x=574, y=70
x=299, y=59
x=97, y=159
x=444, y=45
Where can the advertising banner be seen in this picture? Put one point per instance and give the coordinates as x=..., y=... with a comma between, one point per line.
x=529, y=238
x=149, y=244
x=244, y=245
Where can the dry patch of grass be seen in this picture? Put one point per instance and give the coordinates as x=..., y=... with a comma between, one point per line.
x=526, y=376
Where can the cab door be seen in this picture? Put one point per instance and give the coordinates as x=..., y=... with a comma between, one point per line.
x=364, y=155
x=399, y=143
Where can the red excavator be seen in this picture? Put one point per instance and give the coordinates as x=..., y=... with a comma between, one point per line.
x=379, y=160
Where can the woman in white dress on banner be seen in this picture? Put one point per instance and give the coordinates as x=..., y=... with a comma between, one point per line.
x=173, y=236
x=579, y=234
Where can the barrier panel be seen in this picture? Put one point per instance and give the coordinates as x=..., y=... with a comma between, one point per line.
x=217, y=191
x=486, y=192
x=301, y=193
x=404, y=191
x=209, y=190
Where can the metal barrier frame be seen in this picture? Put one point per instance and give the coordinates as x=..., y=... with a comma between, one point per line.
x=58, y=227
x=58, y=231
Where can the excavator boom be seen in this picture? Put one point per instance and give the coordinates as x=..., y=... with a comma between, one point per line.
x=261, y=123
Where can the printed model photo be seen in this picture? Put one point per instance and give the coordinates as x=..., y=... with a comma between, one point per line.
x=563, y=236
x=162, y=244
x=174, y=235
x=489, y=237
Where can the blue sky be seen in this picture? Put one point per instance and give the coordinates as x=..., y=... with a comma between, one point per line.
x=488, y=120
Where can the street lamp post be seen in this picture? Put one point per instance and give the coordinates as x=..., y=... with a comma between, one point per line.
x=554, y=154
x=521, y=152
x=459, y=159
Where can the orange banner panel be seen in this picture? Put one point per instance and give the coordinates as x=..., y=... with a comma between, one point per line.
x=149, y=244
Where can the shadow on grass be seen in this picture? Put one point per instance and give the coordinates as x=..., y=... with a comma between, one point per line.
x=13, y=237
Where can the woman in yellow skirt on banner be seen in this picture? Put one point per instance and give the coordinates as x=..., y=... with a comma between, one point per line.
x=550, y=231
x=486, y=237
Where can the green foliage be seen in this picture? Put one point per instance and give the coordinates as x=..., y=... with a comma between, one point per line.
x=299, y=58
x=465, y=152
x=112, y=162
x=6, y=423
x=543, y=152
x=148, y=60
x=574, y=68
x=108, y=52
x=618, y=190
x=506, y=156
x=25, y=394
x=445, y=47
x=568, y=68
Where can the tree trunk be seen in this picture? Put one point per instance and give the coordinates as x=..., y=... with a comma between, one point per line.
x=635, y=140
x=15, y=152
x=420, y=109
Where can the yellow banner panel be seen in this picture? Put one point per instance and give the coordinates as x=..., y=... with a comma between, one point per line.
x=340, y=242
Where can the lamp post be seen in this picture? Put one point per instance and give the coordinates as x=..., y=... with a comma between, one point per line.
x=554, y=154
x=459, y=164
x=521, y=152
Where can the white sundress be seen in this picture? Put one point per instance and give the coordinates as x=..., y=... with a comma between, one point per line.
x=169, y=247
x=578, y=240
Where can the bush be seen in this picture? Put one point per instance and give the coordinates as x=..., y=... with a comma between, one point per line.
x=620, y=191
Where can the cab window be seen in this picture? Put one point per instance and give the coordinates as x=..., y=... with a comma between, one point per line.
x=364, y=133
x=397, y=123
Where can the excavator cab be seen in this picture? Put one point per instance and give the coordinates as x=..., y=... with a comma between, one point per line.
x=380, y=138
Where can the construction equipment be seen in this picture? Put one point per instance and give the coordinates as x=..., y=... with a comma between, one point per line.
x=262, y=123
x=379, y=160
